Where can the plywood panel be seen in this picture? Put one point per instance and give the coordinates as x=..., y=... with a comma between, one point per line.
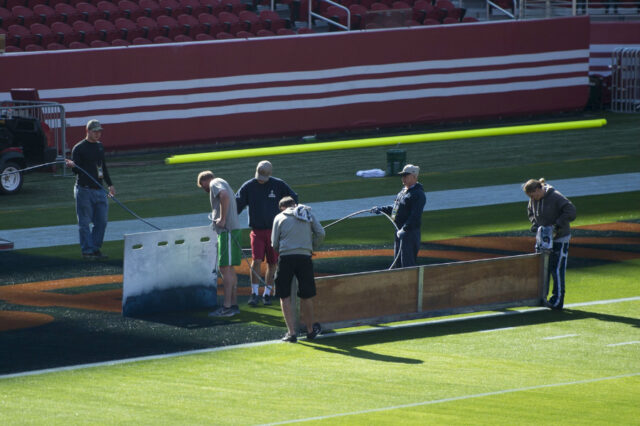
x=496, y=281
x=367, y=295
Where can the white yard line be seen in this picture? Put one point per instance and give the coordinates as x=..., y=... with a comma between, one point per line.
x=564, y=336
x=270, y=342
x=635, y=342
x=457, y=398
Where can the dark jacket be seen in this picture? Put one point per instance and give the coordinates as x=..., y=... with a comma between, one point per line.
x=553, y=209
x=408, y=208
x=263, y=199
x=89, y=156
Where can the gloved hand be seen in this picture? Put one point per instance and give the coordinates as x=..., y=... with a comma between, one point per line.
x=375, y=210
x=400, y=234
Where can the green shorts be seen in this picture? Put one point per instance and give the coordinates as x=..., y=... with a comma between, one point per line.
x=229, y=250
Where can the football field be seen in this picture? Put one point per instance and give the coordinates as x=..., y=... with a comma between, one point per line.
x=67, y=356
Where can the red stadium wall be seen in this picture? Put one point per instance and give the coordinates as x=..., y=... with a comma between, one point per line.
x=167, y=95
x=607, y=36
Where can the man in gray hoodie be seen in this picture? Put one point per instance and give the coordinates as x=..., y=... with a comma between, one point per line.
x=295, y=234
x=550, y=213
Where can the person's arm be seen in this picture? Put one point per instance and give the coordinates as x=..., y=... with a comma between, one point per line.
x=318, y=232
x=224, y=207
x=532, y=217
x=107, y=178
x=275, y=235
x=567, y=213
x=290, y=192
x=242, y=198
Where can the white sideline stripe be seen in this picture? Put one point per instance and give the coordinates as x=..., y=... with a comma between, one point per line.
x=270, y=342
x=458, y=398
x=564, y=336
x=635, y=342
x=288, y=76
x=497, y=329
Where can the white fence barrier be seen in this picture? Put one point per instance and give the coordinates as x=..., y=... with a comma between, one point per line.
x=169, y=270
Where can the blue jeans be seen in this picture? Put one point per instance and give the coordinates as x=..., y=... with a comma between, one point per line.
x=92, y=207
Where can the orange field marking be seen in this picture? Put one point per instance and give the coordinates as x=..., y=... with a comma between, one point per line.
x=615, y=226
x=16, y=320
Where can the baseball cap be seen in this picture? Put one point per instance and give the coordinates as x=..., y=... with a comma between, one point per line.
x=263, y=171
x=410, y=169
x=94, y=125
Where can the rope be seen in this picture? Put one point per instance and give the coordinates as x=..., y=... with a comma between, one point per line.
x=30, y=168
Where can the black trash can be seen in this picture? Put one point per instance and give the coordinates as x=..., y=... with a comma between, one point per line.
x=396, y=159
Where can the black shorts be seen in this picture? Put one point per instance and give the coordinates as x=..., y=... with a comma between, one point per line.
x=300, y=266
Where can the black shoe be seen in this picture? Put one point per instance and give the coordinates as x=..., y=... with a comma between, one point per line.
x=98, y=255
x=291, y=338
x=91, y=256
x=315, y=331
x=266, y=299
x=253, y=300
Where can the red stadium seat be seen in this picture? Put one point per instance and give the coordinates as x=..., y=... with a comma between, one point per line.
x=182, y=38
x=358, y=16
x=78, y=45
x=149, y=27
x=33, y=47
x=272, y=21
x=168, y=26
x=56, y=46
x=6, y=18
x=245, y=34
x=213, y=7
x=24, y=16
x=266, y=33
x=108, y=10
x=151, y=8
x=64, y=33
x=20, y=36
x=379, y=6
x=108, y=32
x=420, y=9
x=204, y=37
x=231, y=22
x=431, y=21
x=306, y=30
x=120, y=42
x=254, y=24
x=223, y=35
x=45, y=13
x=192, y=7
x=141, y=40
x=452, y=11
x=469, y=19
x=190, y=25
x=99, y=43
x=234, y=6
x=285, y=31
x=128, y=29
x=162, y=39
x=129, y=9
x=67, y=13
x=86, y=31
x=171, y=7
x=88, y=12
x=43, y=34
x=210, y=23
x=10, y=4
x=336, y=14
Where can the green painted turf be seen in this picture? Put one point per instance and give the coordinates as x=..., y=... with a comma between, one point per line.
x=361, y=374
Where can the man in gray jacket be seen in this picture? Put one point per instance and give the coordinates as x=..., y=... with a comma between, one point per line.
x=295, y=234
x=550, y=213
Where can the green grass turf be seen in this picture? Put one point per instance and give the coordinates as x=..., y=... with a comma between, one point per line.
x=150, y=188
x=370, y=378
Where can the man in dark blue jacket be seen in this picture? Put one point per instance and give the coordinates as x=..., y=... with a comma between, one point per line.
x=262, y=195
x=406, y=212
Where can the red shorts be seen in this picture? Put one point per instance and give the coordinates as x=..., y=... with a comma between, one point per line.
x=261, y=246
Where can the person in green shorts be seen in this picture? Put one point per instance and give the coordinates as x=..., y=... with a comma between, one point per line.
x=224, y=216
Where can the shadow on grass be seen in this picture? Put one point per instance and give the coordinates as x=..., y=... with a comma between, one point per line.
x=352, y=343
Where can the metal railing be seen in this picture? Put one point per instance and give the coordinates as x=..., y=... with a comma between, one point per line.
x=312, y=14
x=625, y=80
x=51, y=116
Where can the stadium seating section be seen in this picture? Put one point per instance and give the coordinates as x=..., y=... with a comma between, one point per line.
x=31, y=25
